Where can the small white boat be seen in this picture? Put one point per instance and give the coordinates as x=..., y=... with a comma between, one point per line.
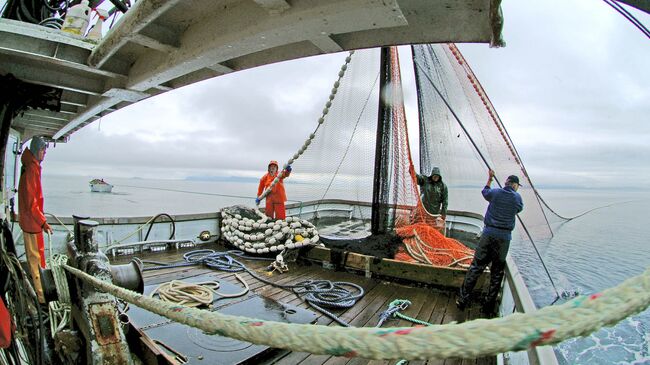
x=100, y=186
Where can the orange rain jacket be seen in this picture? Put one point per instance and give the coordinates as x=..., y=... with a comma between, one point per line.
x=30, y=195
x=6, y=326
x=277, y=195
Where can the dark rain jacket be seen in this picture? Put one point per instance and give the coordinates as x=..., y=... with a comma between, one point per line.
x=30, y=195
x=504, y=205
x=434, y=195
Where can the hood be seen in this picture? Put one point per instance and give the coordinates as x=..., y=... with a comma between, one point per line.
x=436, y=171
x=37, y=144
x=29, y=158
x=274, y=162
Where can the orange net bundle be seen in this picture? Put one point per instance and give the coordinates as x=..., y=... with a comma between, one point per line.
x=422, y=234
x=424, y=244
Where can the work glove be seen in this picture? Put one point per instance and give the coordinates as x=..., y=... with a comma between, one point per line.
x=47, y=228
x=288, y=169
x=257, y=201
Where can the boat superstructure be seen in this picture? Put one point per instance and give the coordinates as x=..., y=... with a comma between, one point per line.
x=159, y=46
x=100, y=186
x=54, y=84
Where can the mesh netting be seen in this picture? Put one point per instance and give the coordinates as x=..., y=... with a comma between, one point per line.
x=421, y=232
x=461, y=133
x=339, y=162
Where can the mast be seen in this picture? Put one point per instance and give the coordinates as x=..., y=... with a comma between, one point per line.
x=380, y=192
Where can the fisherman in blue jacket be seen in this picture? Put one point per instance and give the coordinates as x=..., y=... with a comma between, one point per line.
x=505, y=204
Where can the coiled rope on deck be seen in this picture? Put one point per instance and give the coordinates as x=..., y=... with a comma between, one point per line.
x=194, y=294
x=187, y=294
x=317, y=293
x=578, y=317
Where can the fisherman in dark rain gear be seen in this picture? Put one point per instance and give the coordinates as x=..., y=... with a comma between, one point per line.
x=434, y=193
x=505, y=204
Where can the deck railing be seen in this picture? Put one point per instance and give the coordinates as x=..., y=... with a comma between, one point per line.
x=517, y=298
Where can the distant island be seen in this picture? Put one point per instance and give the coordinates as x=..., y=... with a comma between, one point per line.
x=221, y=178
x=242, y=179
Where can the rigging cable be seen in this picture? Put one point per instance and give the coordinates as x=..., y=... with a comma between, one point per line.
x=631, y=18
x=480, y=91
x=506, y=136
x=548, y=274
x=195, y=192
x=347, y=148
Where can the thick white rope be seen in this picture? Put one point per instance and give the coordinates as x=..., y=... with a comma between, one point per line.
x=194, y=294
x=481, y=337
x=61, y=223
x=59, y=310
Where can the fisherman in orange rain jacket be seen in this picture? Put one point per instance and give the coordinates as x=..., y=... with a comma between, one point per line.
x=30, y=209
x=276, y=198
x=6, y=326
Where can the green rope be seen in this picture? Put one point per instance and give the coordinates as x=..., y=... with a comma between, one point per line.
x=481, y=337
x=410, y=319
x=393, y=309
x=401, y=304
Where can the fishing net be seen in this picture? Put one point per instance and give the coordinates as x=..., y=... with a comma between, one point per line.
x=344, y=163
x=339, y=162
x=397, y=200
x=362, y=155
x=462, y=134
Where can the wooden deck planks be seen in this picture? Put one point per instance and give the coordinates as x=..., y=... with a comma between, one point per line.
x=431, y=305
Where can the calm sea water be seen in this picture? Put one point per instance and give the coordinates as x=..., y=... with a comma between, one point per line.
x=589, y=254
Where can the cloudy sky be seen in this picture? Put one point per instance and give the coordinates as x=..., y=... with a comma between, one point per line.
x=572, y=86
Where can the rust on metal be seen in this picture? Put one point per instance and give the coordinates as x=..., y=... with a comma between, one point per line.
x=105, y=323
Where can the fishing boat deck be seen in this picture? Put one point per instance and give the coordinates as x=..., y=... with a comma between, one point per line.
x=428, y=304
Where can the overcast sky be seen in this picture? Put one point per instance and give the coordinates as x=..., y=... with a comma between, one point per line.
x=572, y=87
